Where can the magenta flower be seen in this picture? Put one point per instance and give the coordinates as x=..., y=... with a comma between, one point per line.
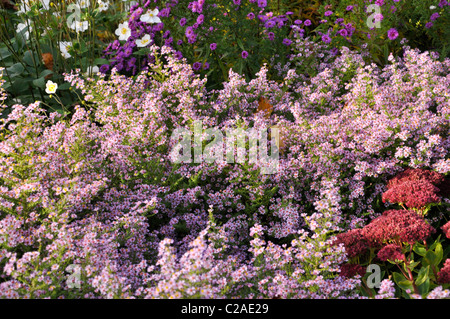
x=328, y=13
x=287, y=41
x=392, y=34
x=326, y=38
x=307, y=23
x=213, y=46
x=244, y=54
x=434, y=16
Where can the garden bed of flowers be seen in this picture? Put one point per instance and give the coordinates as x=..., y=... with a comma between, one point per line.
x=98, y=201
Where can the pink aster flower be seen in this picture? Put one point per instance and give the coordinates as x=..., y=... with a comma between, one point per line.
x=392, y=34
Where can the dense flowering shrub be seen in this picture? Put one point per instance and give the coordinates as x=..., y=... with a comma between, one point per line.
x=213, y=36
x=383, y=25
x=94, y=200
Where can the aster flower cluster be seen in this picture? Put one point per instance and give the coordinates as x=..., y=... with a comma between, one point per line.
x=95, y=200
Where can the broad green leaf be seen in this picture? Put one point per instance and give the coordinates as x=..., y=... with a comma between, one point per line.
x=431, y=258
x=423, y=275
x=45, y=73
x=15, y=69
x=424, y=288
x=40, y=82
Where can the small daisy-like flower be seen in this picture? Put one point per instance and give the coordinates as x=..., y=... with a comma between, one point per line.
x=123, y=31
x=51, y=87
x=151, y=16
x=146, y=39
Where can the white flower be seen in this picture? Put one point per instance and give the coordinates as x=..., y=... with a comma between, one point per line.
x=45, y=4
x=50, y=87
x=432, y=7
x=123, y=31
x=144, y=41
x=92, y=70
x=80, y=26
x=64, y=48
x=83, y=3
x=25, y=6
x=103, y=6
x=25, y=27
x=151, y=16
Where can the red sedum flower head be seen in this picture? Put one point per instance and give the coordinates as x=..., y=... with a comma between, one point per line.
x=413, y=194
x=444, y=273
x=391, y=252
x=401, y=226
x=351, y=270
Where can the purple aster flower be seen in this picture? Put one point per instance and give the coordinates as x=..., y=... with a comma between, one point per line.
x=182, y=22
x=349, y=8
x=205, y=66
x=269, y=24
x=104, y=68
x=392, y=34
x=196, y=66
x=343, y=32
x=271, y=36
x=244, y=54
x=200, y=19
x=307, y=23
x=443, y=3
x=213, y=46
x=434, y=16
x=237, y=2
x=287, y=41
x=328, y=13
x=262, y=3
x=189, y=31
x=180, y=42
x=326, y=38
x=298, y=22
x=178, y=55
x=428, y=25
x=251, y=15
x=192, y=38
x=128, y=52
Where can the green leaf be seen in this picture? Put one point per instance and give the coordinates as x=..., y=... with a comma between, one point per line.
x=431, y=258
x=439, y=253
x=239, y=42
x=64, y=86
x=413, y=265
x=100, y=61
x=44, y=73
x=30, y=58
x=15, y=69
x=423, y=275
x=424, y=288
x=40, y=82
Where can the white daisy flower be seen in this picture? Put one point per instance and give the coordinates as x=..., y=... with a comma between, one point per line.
x=123, y=31
x=151, y=16
x=64, y=47
x=144, y=41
